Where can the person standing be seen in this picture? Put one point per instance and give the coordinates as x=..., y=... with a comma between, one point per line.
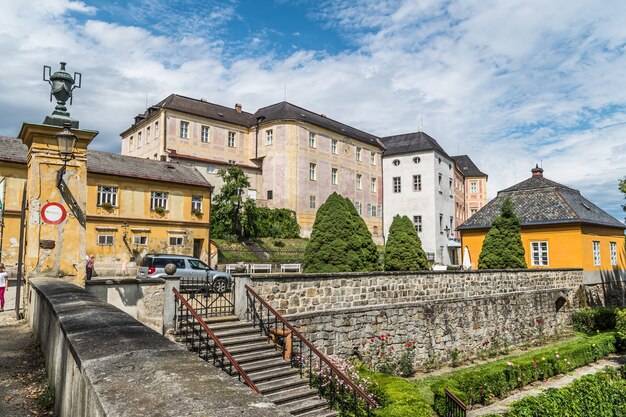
x=89, y=267
x=4, y=285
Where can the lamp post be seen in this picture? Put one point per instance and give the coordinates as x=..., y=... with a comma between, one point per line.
x=447, y=230
x=66, y=141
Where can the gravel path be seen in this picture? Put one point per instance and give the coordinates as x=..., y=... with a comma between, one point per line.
x=615, y=361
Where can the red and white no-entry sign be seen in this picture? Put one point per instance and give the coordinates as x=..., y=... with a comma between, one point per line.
x=53, y=213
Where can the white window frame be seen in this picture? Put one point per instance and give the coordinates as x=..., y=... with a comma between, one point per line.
x=473, y=187
x=184, y=129
x=539, y=253
x=359, y=181
x=140, y=240
x=417, y=223
x=269, y=136
x=139, y=139
x=210, y=169
x=176, y=240
x=148, y=134
x=396, y=184
x=105, y=240
x=373, y=158
x=158, y=199
x=333, y=147
x=357, y=206
x=358, y=153
x=130, y=143
x=204, y=135
x=312, y=140
x=196, y=202
x=417, y=182
x=613, y=252
x=333, y=176
x=107, y=194
x=597, y=259
x=312, y=201
x=232, y=140
x=156, y=130
x=373, y=185
x=369, y=209
x=312, y=171
x=439, y=184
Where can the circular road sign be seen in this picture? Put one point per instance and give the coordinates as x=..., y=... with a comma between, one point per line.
x=53, y=213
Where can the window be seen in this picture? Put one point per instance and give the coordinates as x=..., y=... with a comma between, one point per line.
x=539, y=253
x=373, y=185
x=105, y=240
x=107, y=195
x=231, y=139
x=312, y=176
x=184, y=130
x=210, y=169
x=148, y=134
x=205, y=134
x=198, y=264
x=251, y=194
x=417, y=183
x=473, y=187
x=380, y=211
x=176, y=241
x=396, y=162
x=375, y=231
x=196, y=203
x=333, y=147
x=439, y=184
x=269, y=137
x=139, y=139
x=156, y=130
x=596, y=253
x=358, y=154
x=416, y=160
x=613, y=252
x=450, y=186
x=451, y=225
x=473, y=211
x=357, y=206
x=417, y=222
x=369, y=209
x=140, y=240
x=358, y=181
x=333, y=176
x=372, y=158
x=440, y=224
x=270, y=194
x=312, y=201
x=312, y=141
x=397, y=185
x=130, y=143
x=232, y=161
x=158, y=199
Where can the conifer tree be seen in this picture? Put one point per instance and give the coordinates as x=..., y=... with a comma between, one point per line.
x=340, y=241
x=502, y=247
x=403, y=251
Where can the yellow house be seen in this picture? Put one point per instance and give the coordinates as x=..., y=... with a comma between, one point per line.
x=559, y=227
x=134, y=206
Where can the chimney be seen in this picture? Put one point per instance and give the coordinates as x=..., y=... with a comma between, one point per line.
x=238, y=107
x=537, y=172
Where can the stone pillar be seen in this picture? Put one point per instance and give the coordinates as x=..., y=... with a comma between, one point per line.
x=55, y=249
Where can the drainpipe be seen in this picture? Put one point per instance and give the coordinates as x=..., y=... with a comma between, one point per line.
x=209, y=229
x=164, y=133
x=382, y=194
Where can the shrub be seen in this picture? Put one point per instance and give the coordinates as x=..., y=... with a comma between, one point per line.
x=502, y=247
x=381, y=355
x=279, y=223
x=397, y=397
x=590, y=320
x=482, y=384
x=620, y=327
x=340, y=240
x=403, y=251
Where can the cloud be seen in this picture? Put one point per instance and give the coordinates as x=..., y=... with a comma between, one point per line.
x=509, y=83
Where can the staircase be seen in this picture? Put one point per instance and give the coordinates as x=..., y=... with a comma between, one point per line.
x=265, y=366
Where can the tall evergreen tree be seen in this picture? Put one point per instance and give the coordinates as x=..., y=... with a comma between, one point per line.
x=502, y=247
x=403, y=251
x=340, y=240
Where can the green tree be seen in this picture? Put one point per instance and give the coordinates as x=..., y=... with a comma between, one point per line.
x=340, y=240
x=403, y=251
x=622, y=188
x=502, y=247
x=227, y=206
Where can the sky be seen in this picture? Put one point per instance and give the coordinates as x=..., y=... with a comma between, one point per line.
x=510, y=83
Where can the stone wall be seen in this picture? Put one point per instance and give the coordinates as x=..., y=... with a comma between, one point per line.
x=440, y=311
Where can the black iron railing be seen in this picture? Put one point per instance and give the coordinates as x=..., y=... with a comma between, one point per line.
x=205, y=298
x=195, y=333
x=454, y=406
x=332, y=384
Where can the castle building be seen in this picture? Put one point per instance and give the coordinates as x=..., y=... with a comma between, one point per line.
x=475, y=186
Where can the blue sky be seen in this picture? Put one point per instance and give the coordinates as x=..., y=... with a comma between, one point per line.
x=510, y=83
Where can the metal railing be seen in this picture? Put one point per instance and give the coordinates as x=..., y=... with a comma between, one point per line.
x=199, y=337
x=205, y=300
x=454, y=406
x=331, y=382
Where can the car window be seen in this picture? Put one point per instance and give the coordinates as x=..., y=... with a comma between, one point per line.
x=197, y=264
x=147, y=261
x=161, y=262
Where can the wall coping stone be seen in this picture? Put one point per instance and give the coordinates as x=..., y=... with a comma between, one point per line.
x=131, y=370
x=138, y=281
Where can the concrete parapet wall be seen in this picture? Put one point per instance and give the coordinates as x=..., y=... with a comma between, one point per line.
x=103, y=362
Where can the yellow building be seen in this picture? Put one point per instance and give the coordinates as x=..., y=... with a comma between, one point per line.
x=559, y=228
x=294, y=158
x=134, y=206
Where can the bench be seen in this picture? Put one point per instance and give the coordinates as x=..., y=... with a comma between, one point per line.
x=256, y=268
x=237, y=268
x=290, y=268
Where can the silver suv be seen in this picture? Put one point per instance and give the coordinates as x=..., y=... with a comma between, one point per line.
x=192, y=271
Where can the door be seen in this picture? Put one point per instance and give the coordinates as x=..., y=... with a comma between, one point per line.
x=197, y=247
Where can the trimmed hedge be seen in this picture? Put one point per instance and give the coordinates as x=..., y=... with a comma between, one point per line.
x=600, y=395
x=397, y=397
x=482, y=384
x=620, y=327
x=590, y=320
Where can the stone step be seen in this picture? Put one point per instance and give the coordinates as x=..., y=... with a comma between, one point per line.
x=250, y=347
x=242, y=340
x=306, y=405
x=263, y=364
x=269, y=387
x=320, y=413
x=254, y=356
x=293, y=394
x=235, y=330
x=263, y=375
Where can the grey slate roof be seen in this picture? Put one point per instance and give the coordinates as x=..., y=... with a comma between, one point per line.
x=411, y=142
x=288, y=111
x=540, y=201
x=467, y=166
x=12, y=149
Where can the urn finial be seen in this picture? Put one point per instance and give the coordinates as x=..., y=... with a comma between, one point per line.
x=62, y=84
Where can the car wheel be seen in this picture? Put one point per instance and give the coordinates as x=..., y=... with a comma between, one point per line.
x=220, y=284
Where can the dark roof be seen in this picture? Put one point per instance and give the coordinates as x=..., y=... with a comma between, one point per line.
x=12, y=149
x=411, y=142
x=540, y=201
x=467, y=166
x=288, y=111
